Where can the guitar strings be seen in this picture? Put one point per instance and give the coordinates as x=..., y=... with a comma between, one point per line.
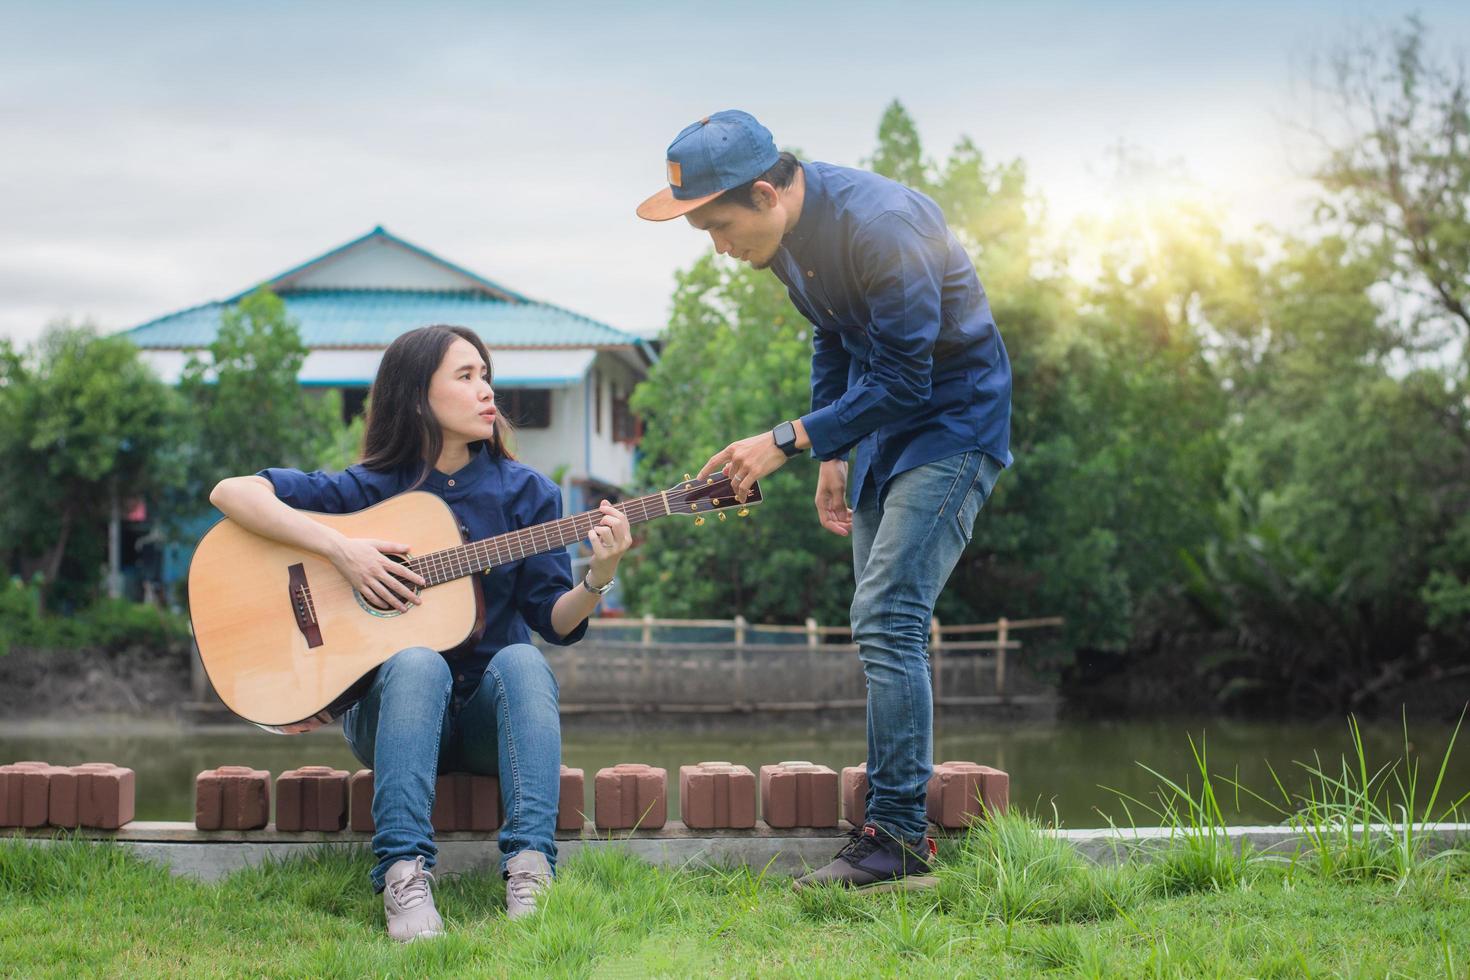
x=450, y=563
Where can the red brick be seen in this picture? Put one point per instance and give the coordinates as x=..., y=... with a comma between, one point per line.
x=466, y=801
x=717, y=795
x=569, y=815
x=105, y=795
x=631, y=795
x=799, y=794
x=62, y=804
x=24, y=794
x=232, y=798
x=312, y=798
x=360, y=789
x=962, y=792
x=855, y=794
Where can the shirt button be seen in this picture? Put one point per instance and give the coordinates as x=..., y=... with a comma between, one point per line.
x=829, y=311
x=810, y=273
x=451, y=483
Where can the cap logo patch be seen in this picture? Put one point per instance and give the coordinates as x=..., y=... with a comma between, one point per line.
x=676, y=177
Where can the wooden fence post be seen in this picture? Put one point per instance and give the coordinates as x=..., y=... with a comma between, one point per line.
x=1002, y=635
x=936, y=655
x=740, y=625
x=647, y=628
x=811, y=632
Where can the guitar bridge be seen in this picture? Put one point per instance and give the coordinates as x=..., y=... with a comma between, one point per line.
x=302, y=606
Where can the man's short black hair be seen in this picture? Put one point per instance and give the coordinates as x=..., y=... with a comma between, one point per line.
x=780, y=176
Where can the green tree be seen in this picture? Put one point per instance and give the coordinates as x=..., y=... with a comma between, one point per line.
x=736, y=360
x=83, y=422
x=247, y=409
x=899, y=155
x=1401, y=182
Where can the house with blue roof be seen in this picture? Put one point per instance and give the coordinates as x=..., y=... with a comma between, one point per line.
x=562, y=378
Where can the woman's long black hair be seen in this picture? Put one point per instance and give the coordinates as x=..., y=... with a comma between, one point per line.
x=401, y=430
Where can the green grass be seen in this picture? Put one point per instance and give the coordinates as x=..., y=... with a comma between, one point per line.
x=1012, y=901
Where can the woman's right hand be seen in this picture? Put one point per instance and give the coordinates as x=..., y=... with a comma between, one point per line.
x=365, y=564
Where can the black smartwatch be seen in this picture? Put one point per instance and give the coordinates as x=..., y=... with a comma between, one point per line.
x=785, y=436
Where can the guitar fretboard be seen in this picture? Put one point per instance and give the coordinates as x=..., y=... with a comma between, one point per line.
x=438, y=567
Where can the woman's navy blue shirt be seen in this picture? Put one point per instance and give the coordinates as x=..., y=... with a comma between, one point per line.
x=489, y=496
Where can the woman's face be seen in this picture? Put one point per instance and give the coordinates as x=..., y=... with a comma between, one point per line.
x=460, y=395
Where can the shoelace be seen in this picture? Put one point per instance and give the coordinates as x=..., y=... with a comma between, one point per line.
x=522, y=884
x=412, y=890
x=860, y=846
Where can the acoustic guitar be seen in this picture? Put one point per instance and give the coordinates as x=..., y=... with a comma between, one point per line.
x=289, y=644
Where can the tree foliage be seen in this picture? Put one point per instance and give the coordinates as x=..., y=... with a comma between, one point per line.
x=247, y=407
x=82, y=422
x=735, y=362
x=1240, y=462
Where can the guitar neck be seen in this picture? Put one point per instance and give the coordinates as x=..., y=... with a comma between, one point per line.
x=438, y=567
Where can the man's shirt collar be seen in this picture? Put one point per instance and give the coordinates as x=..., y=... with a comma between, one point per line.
x=813, y=203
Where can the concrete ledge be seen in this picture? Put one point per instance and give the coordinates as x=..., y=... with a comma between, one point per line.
x=211, y=855
x=1110, y=845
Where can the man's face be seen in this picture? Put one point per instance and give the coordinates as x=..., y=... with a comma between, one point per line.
x=750, y=235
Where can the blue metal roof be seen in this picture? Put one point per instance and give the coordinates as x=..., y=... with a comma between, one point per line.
x=373, y=318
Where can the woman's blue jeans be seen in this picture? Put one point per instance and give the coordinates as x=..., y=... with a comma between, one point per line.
x=410, y=727
x=904, y=547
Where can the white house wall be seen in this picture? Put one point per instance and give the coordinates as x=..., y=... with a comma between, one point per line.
x=611, y=461
x=561, y=445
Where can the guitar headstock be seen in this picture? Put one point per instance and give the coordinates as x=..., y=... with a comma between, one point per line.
x=713, y=494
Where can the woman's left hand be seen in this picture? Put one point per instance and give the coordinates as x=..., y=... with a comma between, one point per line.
x=610, y=540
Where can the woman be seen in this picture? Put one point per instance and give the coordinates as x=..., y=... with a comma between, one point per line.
x=433, y=426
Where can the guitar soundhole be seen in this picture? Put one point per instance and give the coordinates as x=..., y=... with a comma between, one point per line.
x=375, y=605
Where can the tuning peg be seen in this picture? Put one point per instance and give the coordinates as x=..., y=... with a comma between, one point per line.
x=687, y=477
x=708, y=480
x=743, y=512
x=699, y=522
x=722, y=515
x=715, y=502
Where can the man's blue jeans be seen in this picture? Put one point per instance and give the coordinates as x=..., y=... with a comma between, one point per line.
x=903, y=550
x=409, y=728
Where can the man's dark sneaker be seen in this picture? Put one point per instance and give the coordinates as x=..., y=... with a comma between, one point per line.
x=873, y=861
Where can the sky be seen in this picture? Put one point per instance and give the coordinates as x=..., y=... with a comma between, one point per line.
x=154, y=156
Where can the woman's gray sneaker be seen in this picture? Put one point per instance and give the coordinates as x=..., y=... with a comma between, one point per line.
x=408, y=902
x=874, y=861
x=527, y=875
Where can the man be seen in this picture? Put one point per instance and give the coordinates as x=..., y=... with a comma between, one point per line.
x=909, y=372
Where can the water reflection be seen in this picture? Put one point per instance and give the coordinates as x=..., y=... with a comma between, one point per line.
x=1062, y=764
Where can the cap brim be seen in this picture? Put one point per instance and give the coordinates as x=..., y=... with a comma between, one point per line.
x=664, y=205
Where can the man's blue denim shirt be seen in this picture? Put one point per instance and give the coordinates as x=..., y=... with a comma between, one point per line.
x=907, y=364
x=490, y=496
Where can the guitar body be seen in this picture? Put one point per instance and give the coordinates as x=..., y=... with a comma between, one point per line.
x=291, y=659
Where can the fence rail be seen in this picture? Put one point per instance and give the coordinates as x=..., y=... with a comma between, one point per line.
x=639, y=648
x=732, y=665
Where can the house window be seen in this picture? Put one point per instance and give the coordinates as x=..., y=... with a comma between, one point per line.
x=596, y=403
x=625, y=425
x=527, y=408
x=353, y=400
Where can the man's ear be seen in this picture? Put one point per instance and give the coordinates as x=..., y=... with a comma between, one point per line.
x=763, y=195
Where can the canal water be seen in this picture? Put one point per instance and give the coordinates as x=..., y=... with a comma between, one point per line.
x=1078, y=770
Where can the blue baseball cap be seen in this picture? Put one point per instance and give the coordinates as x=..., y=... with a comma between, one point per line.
x=709, y=157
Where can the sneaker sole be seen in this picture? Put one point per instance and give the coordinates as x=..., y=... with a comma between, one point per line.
x=912, y=883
